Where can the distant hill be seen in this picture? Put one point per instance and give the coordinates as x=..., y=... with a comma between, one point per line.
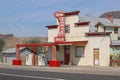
x=11, y=41
x=116, y=14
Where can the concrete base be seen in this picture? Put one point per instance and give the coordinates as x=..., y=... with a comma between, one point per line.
x=54, y=63
x=17, y=62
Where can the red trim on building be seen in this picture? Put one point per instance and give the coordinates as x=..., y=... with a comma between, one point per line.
x=52, y=26
x=81, y=23
x=72, y=13
x=114, y=45
x=97, y=33
x=35, y=45
x=70, y=43
x=51, y=44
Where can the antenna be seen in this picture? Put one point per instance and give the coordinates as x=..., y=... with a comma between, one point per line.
x=19, y=29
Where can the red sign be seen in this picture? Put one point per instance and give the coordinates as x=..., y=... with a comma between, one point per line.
x=59, y=14
x=61, y=19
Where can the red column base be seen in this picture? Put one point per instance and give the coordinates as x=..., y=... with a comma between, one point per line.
x=54, y=63
x=17, y=62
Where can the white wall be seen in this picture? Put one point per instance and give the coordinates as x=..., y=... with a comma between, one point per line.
x=88, y=59
x=85, y=60
x=52, y=33
x=76, y=33
x=103, y=44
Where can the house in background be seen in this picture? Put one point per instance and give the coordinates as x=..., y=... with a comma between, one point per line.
x=26, y=55
x=83, y=40
x=10, y=54
x=108, y=24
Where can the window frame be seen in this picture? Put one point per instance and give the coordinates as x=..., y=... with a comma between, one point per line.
x=68, y=29
x=115, y=30
x=82, y=55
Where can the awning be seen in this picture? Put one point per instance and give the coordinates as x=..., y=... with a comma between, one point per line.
x=71, y=43
x=50, y=44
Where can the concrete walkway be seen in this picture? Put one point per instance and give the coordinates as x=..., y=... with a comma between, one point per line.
x=69, y=69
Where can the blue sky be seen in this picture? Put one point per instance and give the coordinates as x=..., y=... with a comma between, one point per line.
x=28, y=18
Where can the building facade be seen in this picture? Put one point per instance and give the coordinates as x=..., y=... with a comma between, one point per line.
x=78, y=40
x=88, y=41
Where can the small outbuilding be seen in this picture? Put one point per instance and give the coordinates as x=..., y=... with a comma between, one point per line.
x=26, y=55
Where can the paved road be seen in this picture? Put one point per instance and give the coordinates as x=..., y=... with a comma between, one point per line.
x=15, y=74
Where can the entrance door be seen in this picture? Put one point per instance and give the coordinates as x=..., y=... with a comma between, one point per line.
x=66, y=54
x=96, y=57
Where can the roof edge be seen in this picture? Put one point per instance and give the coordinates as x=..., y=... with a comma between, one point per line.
x=98, y=33
x=82, y=23
x=72, y=13
x=51, y=26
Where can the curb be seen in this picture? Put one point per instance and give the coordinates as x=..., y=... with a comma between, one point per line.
x=68, y=69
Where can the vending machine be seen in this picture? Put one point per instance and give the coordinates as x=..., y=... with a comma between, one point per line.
x=41, y=59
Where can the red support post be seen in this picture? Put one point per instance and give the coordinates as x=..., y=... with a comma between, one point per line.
x=34, y=56
x=54, y=62
x=17, y=53
x=17, y=61
x=53, y=52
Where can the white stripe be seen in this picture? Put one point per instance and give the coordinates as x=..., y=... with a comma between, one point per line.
x=30, y=76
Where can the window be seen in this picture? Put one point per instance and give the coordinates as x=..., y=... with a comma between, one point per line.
x=57, y=47
x=67, y=28
x=118, y=38
x=116, y=30
x=79, y=51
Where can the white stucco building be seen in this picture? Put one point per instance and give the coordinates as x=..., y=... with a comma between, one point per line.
x=78, y=40
x=81, y=47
